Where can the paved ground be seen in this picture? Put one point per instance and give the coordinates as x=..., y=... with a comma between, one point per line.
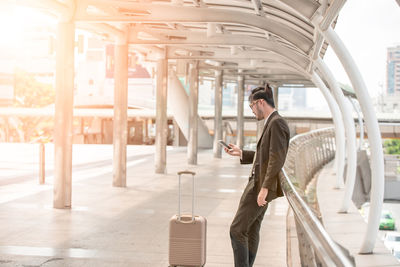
x=110, y=226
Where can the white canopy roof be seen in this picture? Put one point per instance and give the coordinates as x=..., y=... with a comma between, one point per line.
x=270, y=40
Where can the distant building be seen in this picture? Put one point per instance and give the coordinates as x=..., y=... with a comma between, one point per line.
x=393, y=71
x=391, y=102
x=292, y=98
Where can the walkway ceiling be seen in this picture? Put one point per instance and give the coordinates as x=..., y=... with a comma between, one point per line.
x=270, y=40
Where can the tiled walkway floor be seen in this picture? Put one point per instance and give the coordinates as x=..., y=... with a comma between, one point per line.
x=110, y=226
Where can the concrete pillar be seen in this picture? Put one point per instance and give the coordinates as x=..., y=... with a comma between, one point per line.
x=7, y=130
x=161, y=117
x=276, y=96
x=240, y=113
x=306, y=250
x=42, y=163
x=63, y=114
x=193, y=115
x=120, y=124
x=218, y=114
x=260, y=127
x=179, y=137
x=178, y=94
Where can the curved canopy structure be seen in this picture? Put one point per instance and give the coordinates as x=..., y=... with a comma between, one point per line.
x=266, y=40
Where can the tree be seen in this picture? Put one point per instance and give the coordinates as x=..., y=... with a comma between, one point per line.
x=33, y=94
x=392, y=146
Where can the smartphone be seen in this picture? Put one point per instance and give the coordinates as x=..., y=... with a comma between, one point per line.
x=222, y=143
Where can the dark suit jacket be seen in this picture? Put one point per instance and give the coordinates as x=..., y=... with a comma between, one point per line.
x=270, y=156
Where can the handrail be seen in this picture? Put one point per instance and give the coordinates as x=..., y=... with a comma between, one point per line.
x=328, y=252
x=322, y=142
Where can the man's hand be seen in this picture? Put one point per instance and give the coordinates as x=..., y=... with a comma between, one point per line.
x=262, y=196
x=234, y=151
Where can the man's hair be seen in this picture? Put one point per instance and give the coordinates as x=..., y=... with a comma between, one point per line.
x=263, y=93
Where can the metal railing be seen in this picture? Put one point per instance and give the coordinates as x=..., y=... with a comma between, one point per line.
x=307, y=154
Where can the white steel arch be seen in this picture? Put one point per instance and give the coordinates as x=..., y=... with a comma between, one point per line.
x=348, y=120
x=339, y=129
x=374, y=138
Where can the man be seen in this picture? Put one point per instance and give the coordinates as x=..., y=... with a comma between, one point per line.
x=263, y=185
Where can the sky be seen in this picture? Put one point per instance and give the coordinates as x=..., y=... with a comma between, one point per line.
x=367, y=28
x=14, y=22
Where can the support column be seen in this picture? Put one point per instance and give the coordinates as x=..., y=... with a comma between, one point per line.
x=7, y=129
x=374, y=138
x=260, y=124
x=260, y=127
x=360, y=122
x=276, y=96
x=339, y=129
x=350, y=134
x=161, y=117
x=218, y=114
x=240, y=113
x=193, y=115
x=120, y=123
x=63, y=114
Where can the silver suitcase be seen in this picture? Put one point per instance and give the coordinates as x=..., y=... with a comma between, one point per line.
x=187, y=235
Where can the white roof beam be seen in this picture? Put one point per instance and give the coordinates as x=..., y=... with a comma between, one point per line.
x=198, y=3
x=324, y=22
x=234, y=50
x=222, y=29
x=305, y=8
x=317, y=47
x=279, y=82
x=332, y=13
x=211, y=29
x=266, y=67
x=182, y=14
x=175, y=2
x=160, y=35
x=172, y=26
x=200, y=39
x=102, y=28
x=258, y=7
x=273, y=67
x=280, y=77
x=324, y=7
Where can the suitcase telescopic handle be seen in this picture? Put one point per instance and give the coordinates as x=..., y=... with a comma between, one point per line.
x=186, y=172
x=179, y=203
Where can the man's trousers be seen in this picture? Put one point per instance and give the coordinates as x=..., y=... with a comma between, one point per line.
x=245, y=228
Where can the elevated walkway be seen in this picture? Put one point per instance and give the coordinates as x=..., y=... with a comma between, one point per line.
x=110, y=226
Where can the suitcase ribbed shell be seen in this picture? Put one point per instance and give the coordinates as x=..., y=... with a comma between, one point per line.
x=187, y=241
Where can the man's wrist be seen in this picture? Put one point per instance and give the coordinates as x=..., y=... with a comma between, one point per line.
x=264, y=188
